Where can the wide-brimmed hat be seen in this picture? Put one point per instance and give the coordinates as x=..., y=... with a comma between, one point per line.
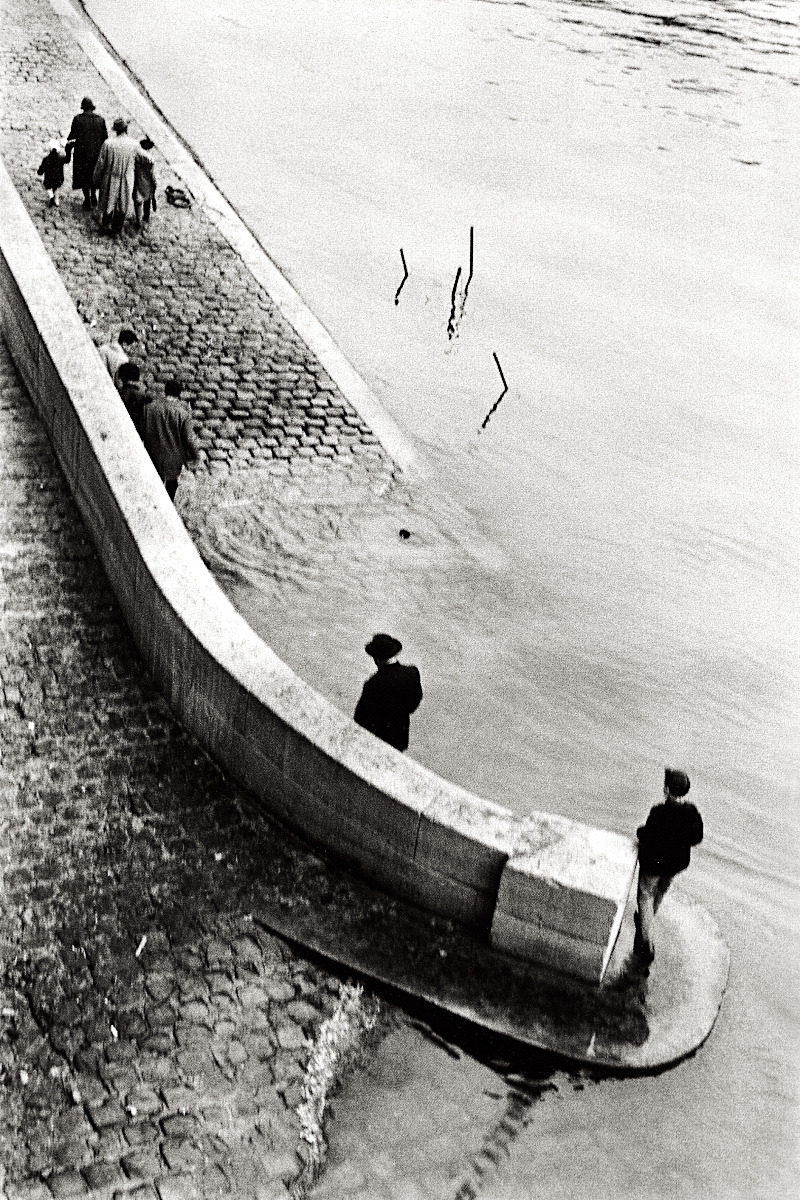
x=383, y=645
x=120, y=125
x=87, y=104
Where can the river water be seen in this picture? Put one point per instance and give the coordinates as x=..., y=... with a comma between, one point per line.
x=607, y=577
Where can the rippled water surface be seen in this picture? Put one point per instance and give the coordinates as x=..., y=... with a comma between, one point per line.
x=607, y=577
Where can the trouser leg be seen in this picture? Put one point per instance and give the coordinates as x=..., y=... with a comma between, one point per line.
x=146, y=211
x=50, y=194
x=172, y=486
x=646, y=911
x=117, y=221
x=87, y=197
x=137, y=204
x=661, y=889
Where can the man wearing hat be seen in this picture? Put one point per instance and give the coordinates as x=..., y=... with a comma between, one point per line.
x=86, y=136
x=391, y=695
x=114, y=176
x=665, y=842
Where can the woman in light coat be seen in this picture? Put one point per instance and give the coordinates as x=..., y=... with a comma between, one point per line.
x=114, y=176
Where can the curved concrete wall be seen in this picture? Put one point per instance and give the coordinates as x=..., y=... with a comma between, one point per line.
x=544, y=888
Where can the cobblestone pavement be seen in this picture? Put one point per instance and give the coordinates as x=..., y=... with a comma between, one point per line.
x=256, y=391
x=154, y=1039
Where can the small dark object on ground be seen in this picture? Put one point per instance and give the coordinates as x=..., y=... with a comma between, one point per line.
x=405, y=534
x=178, y=197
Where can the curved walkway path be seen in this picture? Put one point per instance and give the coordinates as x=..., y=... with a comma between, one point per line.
x=178, y=1060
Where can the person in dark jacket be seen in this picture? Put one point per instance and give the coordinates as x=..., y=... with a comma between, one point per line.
x=86, y=136
x=51, y=169
x=391, y=695
x=133, y=395
x=169, y=436
x=665, y=843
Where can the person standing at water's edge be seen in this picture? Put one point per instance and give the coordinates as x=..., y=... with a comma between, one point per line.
x=665, y=843
x=391, y=695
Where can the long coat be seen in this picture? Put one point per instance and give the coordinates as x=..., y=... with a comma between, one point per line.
x=114, y=172
x=386, y=702
x=144, y=178
x=87, y=134
x=168, y=435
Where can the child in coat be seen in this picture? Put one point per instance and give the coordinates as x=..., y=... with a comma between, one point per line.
x=52, y=170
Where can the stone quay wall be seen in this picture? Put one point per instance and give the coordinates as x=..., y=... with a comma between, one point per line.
x=415, y=835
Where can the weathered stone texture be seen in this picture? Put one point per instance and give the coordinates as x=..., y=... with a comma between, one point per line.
x=149, y=1026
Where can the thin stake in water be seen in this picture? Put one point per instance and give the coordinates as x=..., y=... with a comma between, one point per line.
x=499, y=398
x=402, y=281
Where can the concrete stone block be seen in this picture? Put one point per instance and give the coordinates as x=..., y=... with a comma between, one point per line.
x=569, y=892
x=548, y=947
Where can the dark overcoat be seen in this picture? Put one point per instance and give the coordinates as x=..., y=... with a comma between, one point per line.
x=387, y=700
x=86, y=136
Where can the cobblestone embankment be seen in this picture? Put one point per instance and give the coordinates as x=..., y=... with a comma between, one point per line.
x=257, y=393
x=154, y=1038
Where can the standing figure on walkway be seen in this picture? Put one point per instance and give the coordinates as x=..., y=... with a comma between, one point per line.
x=133, y=395
x=144, y=183
x=113, y=177
x=114, y=354
x=51, y=169
x=665, y=843
x=391, y=695
x=86, y=136
x=169, y=436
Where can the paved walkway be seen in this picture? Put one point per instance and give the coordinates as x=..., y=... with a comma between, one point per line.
x=154, y=1040
x=257, y=393
x=153, y=1035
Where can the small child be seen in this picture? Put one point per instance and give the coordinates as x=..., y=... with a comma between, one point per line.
x=144, y=186
x=52, y=168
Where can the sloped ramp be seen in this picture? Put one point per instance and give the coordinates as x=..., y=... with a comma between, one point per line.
x=637, y=1020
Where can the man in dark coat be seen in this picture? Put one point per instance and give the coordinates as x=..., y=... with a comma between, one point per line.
x=86, y=137
x=391, y=695
x=133, y=395
x=665, y=842
x=169, y=436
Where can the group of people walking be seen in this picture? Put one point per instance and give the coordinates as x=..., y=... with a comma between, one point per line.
x=116, y=175
x=164, y=423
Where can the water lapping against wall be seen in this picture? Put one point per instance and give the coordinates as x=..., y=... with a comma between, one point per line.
x=607, y=578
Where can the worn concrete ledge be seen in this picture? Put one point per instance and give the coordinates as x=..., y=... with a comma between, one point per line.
x=562, y=886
